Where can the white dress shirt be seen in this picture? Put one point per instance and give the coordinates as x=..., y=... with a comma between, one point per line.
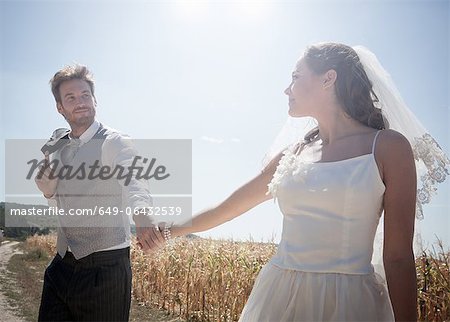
x=115, y=152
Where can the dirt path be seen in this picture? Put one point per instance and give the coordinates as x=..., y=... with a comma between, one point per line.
x=7, y=249
x=10, y=283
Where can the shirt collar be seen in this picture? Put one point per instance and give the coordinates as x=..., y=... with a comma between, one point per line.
x=89, y=133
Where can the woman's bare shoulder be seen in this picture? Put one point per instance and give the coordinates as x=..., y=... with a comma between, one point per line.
x=393, y=147
x=389, y=139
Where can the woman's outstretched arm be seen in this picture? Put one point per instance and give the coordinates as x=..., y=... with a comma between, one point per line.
x=243, y=199
x=240, y=201
x=399, y=176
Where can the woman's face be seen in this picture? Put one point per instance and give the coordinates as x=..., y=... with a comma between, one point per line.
x=304, y=92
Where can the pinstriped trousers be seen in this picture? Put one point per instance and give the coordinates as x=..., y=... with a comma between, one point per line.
x=94, y=288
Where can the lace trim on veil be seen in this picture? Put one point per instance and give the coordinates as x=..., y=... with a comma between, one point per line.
x=435, y=163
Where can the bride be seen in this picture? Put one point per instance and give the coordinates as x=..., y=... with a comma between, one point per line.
x=332, y=186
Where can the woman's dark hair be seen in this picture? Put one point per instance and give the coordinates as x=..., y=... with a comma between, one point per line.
x=353, y=87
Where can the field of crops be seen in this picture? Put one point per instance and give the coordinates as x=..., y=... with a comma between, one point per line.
x=210, y=280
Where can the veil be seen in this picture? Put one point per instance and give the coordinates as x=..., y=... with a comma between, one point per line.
x=432, y=165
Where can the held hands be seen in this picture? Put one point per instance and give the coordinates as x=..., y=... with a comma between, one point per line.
x=46, y=184
x=150, y=238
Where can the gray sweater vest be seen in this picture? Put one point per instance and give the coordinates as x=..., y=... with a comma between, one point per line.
x=91, y=232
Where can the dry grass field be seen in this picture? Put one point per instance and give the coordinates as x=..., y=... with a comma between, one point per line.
x=210, y=280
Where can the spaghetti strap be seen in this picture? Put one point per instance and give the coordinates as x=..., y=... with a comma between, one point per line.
x=375, y=141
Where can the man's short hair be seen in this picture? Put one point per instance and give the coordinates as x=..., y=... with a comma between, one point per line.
x=70, y=72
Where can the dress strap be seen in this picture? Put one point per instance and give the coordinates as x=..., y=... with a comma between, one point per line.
x=375, y=141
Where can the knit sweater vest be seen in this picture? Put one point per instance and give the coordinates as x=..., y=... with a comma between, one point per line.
x=94, y=230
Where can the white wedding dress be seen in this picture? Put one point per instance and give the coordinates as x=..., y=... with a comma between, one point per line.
x=322, y=270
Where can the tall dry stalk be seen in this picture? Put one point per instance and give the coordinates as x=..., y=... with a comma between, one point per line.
x=433, y=282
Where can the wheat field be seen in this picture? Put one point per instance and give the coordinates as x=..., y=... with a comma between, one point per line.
x=210, y=280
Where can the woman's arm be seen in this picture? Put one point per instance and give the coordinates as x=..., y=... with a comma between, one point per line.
x=243, y=199
x=399, y=176
x=240, y=201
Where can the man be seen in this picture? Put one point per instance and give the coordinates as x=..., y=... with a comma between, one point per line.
x=90, y=277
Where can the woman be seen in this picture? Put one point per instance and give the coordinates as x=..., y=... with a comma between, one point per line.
x=332, y=187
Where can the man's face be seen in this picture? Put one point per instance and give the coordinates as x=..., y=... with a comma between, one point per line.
x=77, y=103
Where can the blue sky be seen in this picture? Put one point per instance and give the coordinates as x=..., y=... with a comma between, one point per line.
x=214, y=72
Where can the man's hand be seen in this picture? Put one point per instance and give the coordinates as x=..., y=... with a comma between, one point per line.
x=46, y=184
x=149, y=237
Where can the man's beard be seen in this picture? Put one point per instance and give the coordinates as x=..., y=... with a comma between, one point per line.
x=85, y=120
x=82, y=121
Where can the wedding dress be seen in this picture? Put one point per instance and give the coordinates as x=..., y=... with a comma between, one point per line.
x=322, y=269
